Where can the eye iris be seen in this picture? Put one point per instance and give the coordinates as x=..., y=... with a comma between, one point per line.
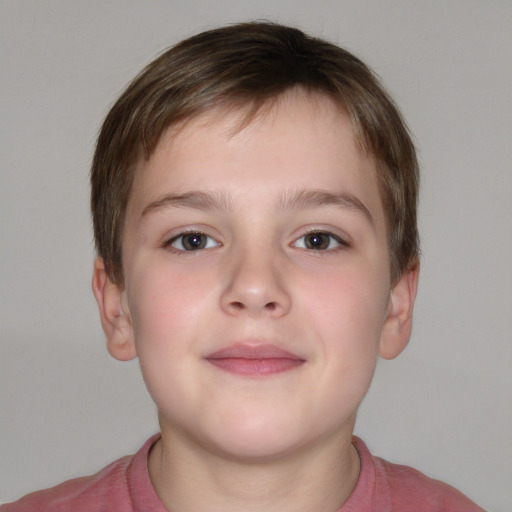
x=194, y=241
x=317, y=241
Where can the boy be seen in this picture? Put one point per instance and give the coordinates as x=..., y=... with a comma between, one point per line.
x=254, y=204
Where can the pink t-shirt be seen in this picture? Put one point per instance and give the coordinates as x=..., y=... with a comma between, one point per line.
x=124, y=486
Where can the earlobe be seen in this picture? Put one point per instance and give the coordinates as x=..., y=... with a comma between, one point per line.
x=398, y=325
x=115, y=320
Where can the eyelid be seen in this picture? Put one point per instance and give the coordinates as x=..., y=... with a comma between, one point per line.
x=341, y=240
x=171, y=239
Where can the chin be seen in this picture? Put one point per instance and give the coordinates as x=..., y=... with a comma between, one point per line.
x=258, y=440
x=255, y=449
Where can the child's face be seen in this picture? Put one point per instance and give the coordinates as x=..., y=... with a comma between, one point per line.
x=257, y=284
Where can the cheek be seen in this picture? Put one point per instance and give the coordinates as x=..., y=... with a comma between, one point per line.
x=349, y=298
x=168, y=311
x=343, y=315
x=347, y=312
x=165, y=306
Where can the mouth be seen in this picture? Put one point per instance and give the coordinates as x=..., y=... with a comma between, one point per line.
x=254, y=360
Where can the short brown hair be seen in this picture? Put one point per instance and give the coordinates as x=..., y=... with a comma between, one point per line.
x=250, y=64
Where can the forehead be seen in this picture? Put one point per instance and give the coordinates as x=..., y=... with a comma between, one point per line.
x=298, y=141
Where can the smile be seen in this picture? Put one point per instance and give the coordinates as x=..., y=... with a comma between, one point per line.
x=254, y=360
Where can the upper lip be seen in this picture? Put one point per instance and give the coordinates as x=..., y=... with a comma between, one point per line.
x=253, y=351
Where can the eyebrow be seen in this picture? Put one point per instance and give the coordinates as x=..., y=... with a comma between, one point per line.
x=320, y=198
x=294, y=201
x=193, y=199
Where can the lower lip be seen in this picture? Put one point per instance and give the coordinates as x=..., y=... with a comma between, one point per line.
x=256, y=367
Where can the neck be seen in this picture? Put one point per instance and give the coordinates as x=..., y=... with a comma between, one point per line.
x=190, y=479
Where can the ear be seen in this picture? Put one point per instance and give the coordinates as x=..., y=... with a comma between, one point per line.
x=114, y=314
x=398, y=325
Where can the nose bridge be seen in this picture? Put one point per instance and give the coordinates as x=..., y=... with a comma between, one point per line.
x=255, y=281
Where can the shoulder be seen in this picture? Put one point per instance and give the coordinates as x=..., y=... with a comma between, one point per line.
x=80, y=493
x=108, y=490
x=408, y=489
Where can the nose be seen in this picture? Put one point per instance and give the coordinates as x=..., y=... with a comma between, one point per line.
x=256, y=285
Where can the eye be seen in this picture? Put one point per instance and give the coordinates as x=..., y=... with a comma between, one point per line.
x=192, y=241
x=319, y=241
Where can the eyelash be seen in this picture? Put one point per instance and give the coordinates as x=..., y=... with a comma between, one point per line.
x=340, y=243
x=168, y=244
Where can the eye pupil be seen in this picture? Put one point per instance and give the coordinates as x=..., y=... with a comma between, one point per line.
x=317, y=241
x=194, y=241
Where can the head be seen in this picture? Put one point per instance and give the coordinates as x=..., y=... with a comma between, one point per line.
x=254, y=196
x=249, y=66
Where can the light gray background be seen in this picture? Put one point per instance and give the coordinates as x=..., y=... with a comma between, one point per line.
x=444, y=406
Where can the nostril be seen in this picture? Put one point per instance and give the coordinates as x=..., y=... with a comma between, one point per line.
x=238, y=305
x=270, y=306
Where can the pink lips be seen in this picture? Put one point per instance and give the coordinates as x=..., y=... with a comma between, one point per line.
x=254, y=360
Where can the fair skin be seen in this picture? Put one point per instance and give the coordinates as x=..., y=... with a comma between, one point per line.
x=257, y=297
